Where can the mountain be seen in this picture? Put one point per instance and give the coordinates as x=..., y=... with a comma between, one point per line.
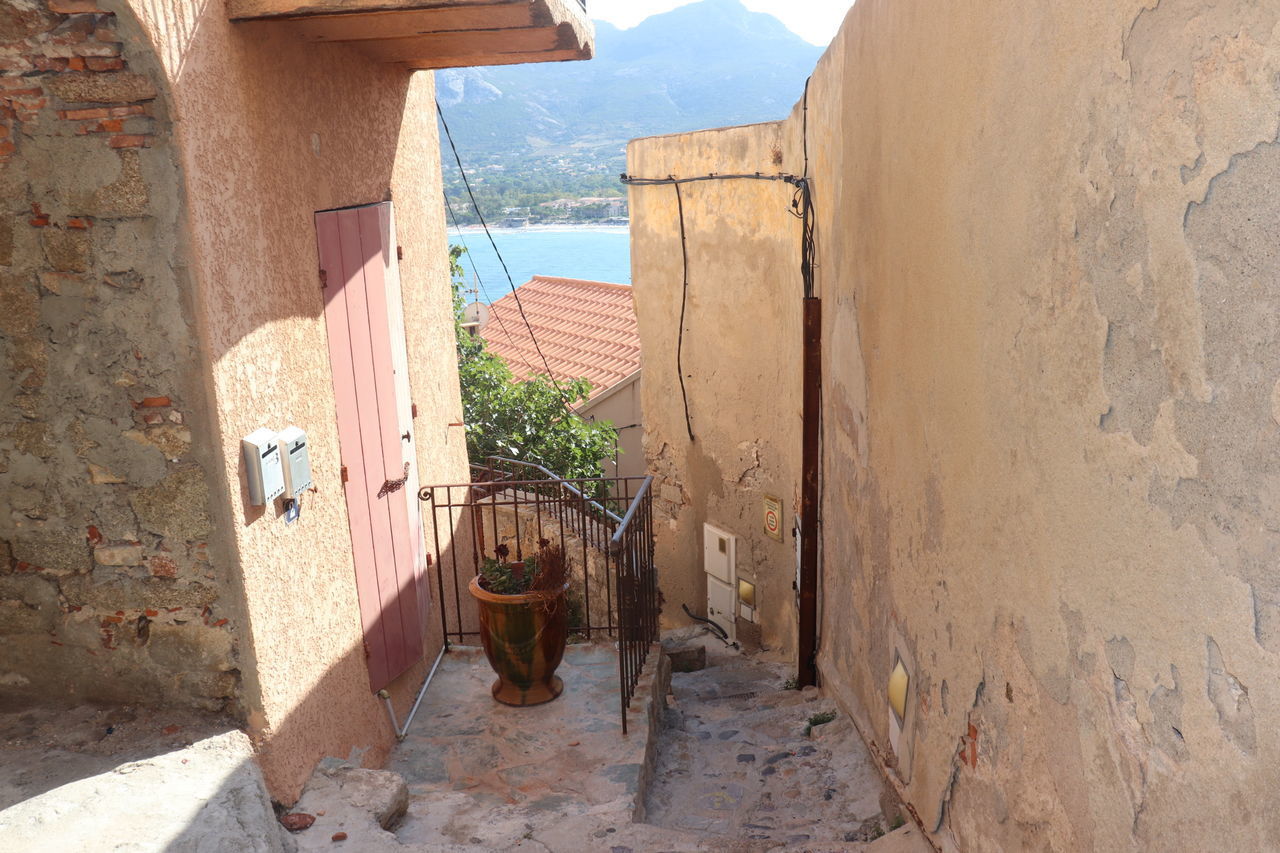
x=707, y=64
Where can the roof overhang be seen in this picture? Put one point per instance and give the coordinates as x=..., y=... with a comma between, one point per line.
x=426, y=34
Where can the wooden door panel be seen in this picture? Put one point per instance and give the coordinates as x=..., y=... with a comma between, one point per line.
x=389, y=443
x=404, y=404
x=352, y=246
x=337, y=323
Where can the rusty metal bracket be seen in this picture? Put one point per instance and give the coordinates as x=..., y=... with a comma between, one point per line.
x=394, y=485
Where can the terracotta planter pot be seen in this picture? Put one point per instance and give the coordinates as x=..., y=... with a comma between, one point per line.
x=523, y=637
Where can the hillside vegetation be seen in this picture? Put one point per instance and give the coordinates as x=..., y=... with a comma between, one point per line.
x=535, y=133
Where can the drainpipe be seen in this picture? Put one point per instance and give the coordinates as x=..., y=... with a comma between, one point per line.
x=809, y=491
x=422, y=691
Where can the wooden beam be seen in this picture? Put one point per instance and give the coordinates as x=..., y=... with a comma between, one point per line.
x=385, y=25
x=479, y=45
x=432, y=63
x=247, y=10
x=425, y=34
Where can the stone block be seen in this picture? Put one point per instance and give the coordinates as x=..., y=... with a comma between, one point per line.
x=29, y=358
x=114, y=518
x=210, y=685
x=64, y=283
x=31, y=437
x=177, y=507
x=118, y=555
x=135, y=462
x=137, y=593
x=19, y=306
x=191, y=647
x=28, y=604
x=6, y=241
x=20, y=21
x=100, y=476
x=119, y=87
x=355, y=792
x=687, y=658
x=58, y=550
x=67, y=251
x=126, y=196
x=74, y=7
x=172, y=441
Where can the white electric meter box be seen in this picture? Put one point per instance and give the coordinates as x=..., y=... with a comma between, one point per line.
x=719, y=553
x=297, y=460
x=262, y=466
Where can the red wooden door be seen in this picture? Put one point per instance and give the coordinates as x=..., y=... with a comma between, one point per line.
x=357, y=261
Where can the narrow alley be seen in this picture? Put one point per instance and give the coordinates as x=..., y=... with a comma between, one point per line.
x=726, y=758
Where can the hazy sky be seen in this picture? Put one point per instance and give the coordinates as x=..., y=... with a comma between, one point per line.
x=813, y=20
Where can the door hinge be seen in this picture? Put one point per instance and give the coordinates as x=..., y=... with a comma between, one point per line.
x=324, y=279
x=344, y=474
x=413, y=409
x=399, y=253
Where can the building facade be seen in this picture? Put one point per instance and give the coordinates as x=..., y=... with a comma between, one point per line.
x=169, y=172
x=1048, y=409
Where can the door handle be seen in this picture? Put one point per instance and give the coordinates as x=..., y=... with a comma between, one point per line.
x=406, y=436
x=394, y=485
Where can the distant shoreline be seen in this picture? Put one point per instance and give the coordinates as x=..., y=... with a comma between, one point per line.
x=606, y=229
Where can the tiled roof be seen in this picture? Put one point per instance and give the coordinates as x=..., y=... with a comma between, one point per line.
x=585, y=328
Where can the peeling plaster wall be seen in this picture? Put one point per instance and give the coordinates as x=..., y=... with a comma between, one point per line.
x=113, y=584
x=741, y=369
x=271, y=129
x=1048, y=270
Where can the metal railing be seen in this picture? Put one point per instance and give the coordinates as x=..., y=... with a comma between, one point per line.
x=613, y=587
x=631, y=552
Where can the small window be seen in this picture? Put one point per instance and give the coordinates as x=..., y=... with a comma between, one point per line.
x=724, y=545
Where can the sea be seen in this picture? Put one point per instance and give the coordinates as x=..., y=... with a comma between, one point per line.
x=592, y=252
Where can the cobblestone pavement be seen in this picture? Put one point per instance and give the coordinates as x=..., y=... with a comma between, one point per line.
x=734, y=771
x=734, y=760
x=488, y=775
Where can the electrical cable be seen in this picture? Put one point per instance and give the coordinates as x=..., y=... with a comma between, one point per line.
x=684, y=299
x=720, y=632
x=801, y=204
x=448, y=206
x=564, y=399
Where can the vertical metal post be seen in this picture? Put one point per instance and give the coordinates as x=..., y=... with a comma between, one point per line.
x=807, y=672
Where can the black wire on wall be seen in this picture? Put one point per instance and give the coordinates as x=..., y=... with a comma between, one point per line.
x=465, y=182
x=801, y=208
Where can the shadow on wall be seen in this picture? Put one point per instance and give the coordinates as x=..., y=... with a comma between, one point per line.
x=93, y=741
x=273, y=130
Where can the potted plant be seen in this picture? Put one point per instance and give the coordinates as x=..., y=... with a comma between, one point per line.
x=523, y=623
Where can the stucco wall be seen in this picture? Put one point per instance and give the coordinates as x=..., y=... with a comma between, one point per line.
x=272, y=129
x=740, y=363
x=113, y=583
x=1046, y=259
x=620, y=406
x=160, y=299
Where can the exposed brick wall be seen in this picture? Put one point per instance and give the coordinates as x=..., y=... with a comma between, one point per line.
x=107, y=589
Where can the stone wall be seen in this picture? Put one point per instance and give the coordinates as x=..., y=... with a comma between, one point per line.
x=1046, y=260
x=110, y=588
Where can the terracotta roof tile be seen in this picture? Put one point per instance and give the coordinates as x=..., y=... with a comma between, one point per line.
x=585, y=329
